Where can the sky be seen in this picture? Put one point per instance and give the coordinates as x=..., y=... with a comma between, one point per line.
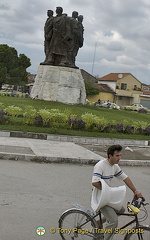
x=116, y=33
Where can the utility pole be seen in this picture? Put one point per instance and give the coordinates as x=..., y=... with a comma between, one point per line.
x=94, y=58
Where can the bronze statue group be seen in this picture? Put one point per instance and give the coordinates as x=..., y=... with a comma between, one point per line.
x=63, y=38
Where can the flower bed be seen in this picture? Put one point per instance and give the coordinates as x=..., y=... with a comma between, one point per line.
x=55, y=118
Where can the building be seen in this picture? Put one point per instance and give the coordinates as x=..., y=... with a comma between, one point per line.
x=31, y=77
x=145, y=87
x=31, y=80
x=88, y=77
x=145, y=96
x=106, y=93
x=125, y=85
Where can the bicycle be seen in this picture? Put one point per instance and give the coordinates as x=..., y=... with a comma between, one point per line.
x=80, y=223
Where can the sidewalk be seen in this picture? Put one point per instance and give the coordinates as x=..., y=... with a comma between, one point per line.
x=57, y=149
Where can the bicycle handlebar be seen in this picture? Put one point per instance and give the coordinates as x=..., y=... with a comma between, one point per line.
x=137, y=203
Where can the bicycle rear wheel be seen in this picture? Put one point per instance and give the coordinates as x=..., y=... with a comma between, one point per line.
x=141, y=233
x=76, y=224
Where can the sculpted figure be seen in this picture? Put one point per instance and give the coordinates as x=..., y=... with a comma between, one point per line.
x=58, y=44
x=48, y=30
x=73, y=38
x=80, y=31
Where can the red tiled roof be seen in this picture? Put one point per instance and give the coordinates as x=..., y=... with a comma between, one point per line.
x=113, y=76
x=146, y=92
x=103, y=87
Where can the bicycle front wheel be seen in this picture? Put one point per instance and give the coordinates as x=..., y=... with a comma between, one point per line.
x=76, y=224
x=141, y=233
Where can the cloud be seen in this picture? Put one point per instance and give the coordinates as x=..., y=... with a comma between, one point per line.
x=116, y=32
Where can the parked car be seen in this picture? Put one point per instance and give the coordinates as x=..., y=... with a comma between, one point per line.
x=135, y=107
x=107, y=104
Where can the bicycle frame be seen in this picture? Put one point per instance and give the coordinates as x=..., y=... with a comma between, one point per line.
x=129, y=223
x=120, y=214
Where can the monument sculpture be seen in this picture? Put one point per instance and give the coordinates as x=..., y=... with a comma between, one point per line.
x=58, y=77
x=63, y=38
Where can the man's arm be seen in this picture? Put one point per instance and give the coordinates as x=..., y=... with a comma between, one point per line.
x=130, y=184
x=97, y=185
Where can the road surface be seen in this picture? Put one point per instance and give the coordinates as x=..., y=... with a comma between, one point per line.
x=34, y=194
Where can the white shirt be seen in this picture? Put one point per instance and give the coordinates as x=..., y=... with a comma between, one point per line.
x=104, y=170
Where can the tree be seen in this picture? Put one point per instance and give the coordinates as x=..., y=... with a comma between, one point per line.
x=91, y=89
x=96, y=76
x=3, y=74
x=13, y=67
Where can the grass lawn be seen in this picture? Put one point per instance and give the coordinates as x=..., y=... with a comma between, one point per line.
x=110, y=114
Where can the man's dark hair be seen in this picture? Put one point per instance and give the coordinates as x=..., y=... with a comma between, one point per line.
x=113, y=148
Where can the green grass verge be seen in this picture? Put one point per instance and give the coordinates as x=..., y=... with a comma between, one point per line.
x=109, y=114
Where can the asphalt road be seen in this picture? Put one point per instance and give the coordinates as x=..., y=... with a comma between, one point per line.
x=33, y=194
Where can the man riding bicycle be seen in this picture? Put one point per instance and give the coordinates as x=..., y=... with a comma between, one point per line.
x=107, y=169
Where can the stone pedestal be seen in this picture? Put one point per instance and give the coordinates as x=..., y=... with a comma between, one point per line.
x=61, y=84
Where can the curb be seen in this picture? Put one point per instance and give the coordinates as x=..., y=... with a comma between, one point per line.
x=75, y=139
x=41, y=159
x=143, y=163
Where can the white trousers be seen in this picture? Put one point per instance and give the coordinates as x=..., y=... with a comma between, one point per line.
x=112, y=220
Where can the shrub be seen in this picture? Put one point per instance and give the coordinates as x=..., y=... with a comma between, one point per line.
x=67, y=112
x=90, y=120
x=45, y=115
x=142, y=110
x=13, y=111
x=30, y=115
x=101, y=123
x=53, y=117
x=129, y=129
x=3, y=117
x=139, y=130
x=91, y=89
x=119, y=127
x=59, y=117
x=76, y=124
x=38, y=121
x=109, y=128
x=1, y=105
x=147, y=130
x=143, y=124
x=139, y=126
x=125, y=123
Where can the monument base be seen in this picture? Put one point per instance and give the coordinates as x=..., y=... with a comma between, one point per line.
x=61, y=84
